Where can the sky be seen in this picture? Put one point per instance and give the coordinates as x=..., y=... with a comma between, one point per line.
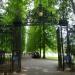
x=74, y=1
x=1, y=10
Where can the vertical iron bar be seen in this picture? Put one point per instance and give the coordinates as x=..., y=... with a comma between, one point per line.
x=62, y=50
x=43, y=41
x=40, y=41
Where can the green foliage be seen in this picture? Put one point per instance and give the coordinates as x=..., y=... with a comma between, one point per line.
x=45, y=3
x=15, y=11
x=49, y=15
x=15, y=8
x=5, y=42
x=49, y=11
x=23, y=37
x=51, y=37
x=33, y=38
x=65, y=8
x=73, y=50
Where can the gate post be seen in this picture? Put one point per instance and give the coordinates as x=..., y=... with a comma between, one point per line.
x=17, y=40
x=68, y=48
x=59, y=49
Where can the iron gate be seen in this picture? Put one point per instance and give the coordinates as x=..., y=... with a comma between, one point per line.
x=10, y=48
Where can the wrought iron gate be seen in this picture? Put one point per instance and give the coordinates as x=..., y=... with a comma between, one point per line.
x=10, y=48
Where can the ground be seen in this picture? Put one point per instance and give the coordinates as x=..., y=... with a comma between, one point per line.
x=40, y=67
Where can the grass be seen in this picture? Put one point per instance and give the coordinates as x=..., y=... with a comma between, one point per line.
x=52, y=58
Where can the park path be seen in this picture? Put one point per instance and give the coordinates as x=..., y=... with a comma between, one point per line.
x=40, y=67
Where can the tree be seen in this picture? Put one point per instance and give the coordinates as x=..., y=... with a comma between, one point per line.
x=33, y=39
x=49, y=15
x=73, y=5
x=10, y=17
